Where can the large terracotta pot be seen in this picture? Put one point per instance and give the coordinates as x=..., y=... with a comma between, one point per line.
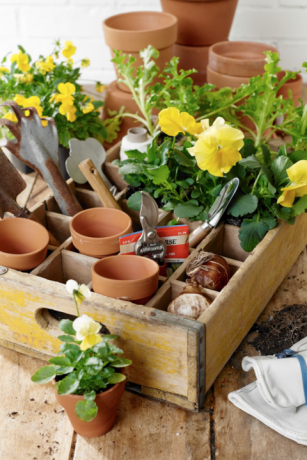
x=23, y=243
x=129, y=277
x=294, y=85
x=221, y=80
x=239, y=59
x=95, y=232
x=107, y=403
x=132, y=32
x=193, y=57
x=202, y=23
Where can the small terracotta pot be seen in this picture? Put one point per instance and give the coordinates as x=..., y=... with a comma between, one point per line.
x=132, y=32
x=133, y=278
x=295, y=86
x=23, y=243
x=239, y=59
x=193, y=57
x=95, y=232
x=202, y=23
x=107, y=403
x=221, y=80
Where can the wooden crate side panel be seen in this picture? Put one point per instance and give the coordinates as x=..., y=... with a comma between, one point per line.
x=240, y=303
x=158, y=349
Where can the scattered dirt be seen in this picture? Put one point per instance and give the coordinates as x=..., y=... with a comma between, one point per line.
x=283, y=330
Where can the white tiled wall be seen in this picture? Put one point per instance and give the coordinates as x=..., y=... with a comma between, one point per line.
x=35, y=24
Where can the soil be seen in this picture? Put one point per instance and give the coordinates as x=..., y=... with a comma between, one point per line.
x=283, y=330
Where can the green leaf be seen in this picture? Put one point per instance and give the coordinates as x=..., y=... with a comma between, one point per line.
x=121, y=362
x=300, y=206
x=60, y=361
x=115, y=349
x=93, y=361
x=44, y=374
x=65, y=370
x=66, y=338
x=90, y=395
x=68, y=385
x=189, y=180
x=282, y=151
x=248, y=149
x=66, y=326
x=136, y=154
x=116, y=378
x=279, y=168
x=181, y=159
x=159, y=175
x=281, y=212
x=86, y=410
x=109, y=337
x=250, y=162
x=298, y=155
x=135, y=201
x=266, y=154
x=130, y=168
x=183, y=184
x=243, y=204
x=267, y=173
x=187, y=210
x=195, y=193
x=253, y=230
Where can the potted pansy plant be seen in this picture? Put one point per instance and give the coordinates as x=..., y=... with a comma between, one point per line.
x=86, y=373
x=51, y=85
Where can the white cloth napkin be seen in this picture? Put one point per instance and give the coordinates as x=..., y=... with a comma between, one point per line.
x=277, y=397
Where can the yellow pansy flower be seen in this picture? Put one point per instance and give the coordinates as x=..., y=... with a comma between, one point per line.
x=19, y=99
x=88, y=107
x=11, y=116
x=70, y=62
x=69, y=111
x=100, y=87
x=298, y=187
x=173, y=122
x=85, y=63
x=69, y=49
x=3, y=70
x=46, y=65
x=66, y=91
x=217, y=149
x=87, y=330
x=22, y=61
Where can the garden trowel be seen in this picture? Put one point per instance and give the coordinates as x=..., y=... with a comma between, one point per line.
x=11, y=185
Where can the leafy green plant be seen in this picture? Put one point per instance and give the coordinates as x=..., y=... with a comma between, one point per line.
x=52, y=88
x=87, y=363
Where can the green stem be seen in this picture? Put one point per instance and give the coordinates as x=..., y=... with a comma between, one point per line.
x=256, y=181
x=76, y=304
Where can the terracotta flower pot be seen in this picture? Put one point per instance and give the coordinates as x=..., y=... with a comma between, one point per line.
x=193, y=57
x=132, y=32
x=107, y=403
x=95, y=232
x=239, y=59
x=134, y=278
x=202, y=23
x=221, y=80
x=23, y=243
x=294, y=85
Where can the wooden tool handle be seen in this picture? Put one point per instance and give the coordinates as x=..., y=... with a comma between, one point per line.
x=198, y=235
x=89, y=170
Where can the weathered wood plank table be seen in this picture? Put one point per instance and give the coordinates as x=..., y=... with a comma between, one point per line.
x=34, y=426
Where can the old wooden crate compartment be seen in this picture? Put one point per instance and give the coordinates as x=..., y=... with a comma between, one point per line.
x=174, y=358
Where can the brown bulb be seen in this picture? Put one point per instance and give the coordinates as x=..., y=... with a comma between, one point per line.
x=191, y=303
x=208, y=271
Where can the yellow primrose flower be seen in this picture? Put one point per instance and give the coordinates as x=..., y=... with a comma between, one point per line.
x=87, y=330
x=100, y=87
x=217, y=149
x=11, y=116
x=69, y=111
x=85, y=63
x=46, y=65
x=298, y=187
x=3, y=70
x=88, y=107
x=173, y=122
x=69, y=49
x=22, y=61
x=70, y=62
x=66, y=93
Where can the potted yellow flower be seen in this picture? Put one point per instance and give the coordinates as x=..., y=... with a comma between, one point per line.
x=50, y=85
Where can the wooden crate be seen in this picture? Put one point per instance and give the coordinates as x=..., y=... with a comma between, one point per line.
x=174, y=358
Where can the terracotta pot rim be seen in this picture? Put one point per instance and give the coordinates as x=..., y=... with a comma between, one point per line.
x=30, y=222
x=105, y=239
x=173, y=21
x=234, y=79
x=216, y=46
x=125, y=282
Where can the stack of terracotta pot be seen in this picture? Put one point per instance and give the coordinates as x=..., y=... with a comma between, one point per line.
x=201, y=23
x=132, y=33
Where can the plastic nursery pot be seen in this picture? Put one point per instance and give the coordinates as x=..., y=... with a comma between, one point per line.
x=126, y=277
x=239, y=59
x=23, y=243
x=294, y=85
x=202, y=23
x=107, y=403
x=221, y=80
x=193, y=57
x=132, y=32
x=95, y=232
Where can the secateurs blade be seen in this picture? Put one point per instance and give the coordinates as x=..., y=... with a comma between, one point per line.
x=150, y=244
